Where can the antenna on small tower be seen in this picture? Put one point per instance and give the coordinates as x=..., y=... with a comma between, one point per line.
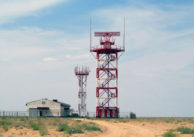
x=91, y=37
x=107, y=74
x=124, y=34
x=123, y=37
x=90, y=32
x=82, y=74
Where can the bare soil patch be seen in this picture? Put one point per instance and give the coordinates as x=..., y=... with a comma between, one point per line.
x=109, y=127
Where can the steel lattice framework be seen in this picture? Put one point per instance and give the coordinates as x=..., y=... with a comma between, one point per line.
x=107, y=74
x=82, y=74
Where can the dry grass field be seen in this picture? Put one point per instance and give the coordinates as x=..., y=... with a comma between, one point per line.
x=92, y=127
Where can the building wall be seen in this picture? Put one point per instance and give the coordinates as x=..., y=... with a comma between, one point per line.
x=54, y=107
x=65, y=111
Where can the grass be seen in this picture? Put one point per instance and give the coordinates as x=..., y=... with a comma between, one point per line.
x=90, y=127
x=62, y=127
x=34, y=126
x=182, y=130
x=155, y=119
x=74, y=130
x=78, y=127
x=33, y=123
x=68, y=129
x=43, y=131
x=185, y=130
x=39, y=126
x=14, y=122
x=5, y=124
x=73, y=126
x=169, y=134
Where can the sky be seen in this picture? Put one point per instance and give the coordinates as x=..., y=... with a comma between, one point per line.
x=42, y=41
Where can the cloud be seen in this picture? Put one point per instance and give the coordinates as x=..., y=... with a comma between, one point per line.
x=40, y=63
x=149, y=26
x=161, y=62
x=154, y=79
x=152, y=71
x=24, y=44
x=12, y=9
x=47, y=59
x=81, y=56
x=35, y=43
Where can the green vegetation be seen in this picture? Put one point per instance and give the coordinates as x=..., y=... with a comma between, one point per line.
x=34, y=126
x=169, y=134
x=68, y=129
x=185, y=130
x=153, y=119
x=43, y=131
x=39, y=126
x=66, y=125
x=62, y=127
x=74, y=130
x=78, y=121
x=34, y=123
x=78, y=128
x=73, y=126
x=90, y=127
x=4, y=124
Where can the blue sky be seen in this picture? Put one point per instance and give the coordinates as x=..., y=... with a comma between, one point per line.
x=42, y=41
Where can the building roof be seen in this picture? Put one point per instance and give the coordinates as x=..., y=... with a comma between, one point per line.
x=62, y=104
x=54, y=100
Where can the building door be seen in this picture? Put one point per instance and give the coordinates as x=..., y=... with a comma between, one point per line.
x=41, y=114
x=33, y=112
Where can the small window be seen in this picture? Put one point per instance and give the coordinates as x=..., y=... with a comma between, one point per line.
x=43, y=102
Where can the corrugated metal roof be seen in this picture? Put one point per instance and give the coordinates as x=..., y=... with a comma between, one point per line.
x=54, y=100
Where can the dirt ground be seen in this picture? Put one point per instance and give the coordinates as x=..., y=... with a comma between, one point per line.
x=138, y=129
x=110, y=128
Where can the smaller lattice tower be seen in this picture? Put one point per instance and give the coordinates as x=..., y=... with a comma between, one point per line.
x=82, y=73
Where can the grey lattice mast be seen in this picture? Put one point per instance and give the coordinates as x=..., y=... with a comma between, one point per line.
x=82, y=73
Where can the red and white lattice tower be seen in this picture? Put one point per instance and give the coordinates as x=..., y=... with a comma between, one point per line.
x=107, y=74
x=82, y=74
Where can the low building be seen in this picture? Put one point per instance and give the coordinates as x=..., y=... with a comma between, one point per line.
x=47, y=108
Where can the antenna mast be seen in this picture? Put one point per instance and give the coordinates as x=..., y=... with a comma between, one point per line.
x=82, y=73
x=107, y=74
